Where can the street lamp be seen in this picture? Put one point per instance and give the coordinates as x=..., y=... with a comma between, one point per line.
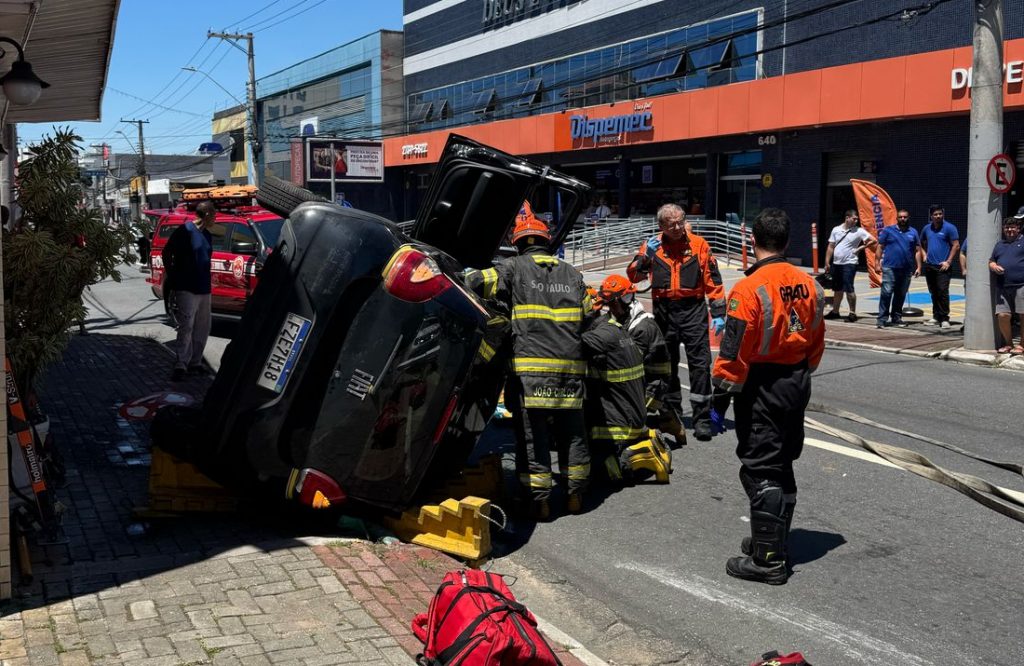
x=21, y=85
x=199, y=71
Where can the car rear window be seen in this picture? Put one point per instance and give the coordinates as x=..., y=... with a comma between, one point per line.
x=270, y=230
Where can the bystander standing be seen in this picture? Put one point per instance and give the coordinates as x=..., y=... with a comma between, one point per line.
x=845, y=244
x=899, y=261
x=940, y=243
x=187, y=261
x=1007, y=263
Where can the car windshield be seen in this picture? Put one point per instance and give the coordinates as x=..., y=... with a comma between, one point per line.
x=269, y=230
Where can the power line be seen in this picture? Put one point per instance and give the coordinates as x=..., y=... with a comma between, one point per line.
x=246, y=18
x=159, y=106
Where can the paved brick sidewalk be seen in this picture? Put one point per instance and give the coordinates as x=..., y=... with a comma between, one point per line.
x=212, y=589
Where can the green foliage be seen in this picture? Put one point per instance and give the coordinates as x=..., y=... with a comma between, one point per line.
x=57, y=248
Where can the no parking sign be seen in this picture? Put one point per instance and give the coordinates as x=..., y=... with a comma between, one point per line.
x=1001, y=173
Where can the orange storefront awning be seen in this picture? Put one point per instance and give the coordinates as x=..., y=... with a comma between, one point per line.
x=893, y=88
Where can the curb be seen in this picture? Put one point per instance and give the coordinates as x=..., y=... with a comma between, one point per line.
x=956, y=355
x=570, y=643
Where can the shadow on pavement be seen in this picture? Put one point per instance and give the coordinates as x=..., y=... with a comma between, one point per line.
x=810, y=545
x=107, y=455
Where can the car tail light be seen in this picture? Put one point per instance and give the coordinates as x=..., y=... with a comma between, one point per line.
x=445, y=417
x=315, y=489
x=413, y=276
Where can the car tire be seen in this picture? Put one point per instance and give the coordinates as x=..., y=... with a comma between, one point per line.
x=281, y=197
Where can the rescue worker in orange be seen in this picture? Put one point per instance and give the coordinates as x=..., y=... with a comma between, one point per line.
x=774, y=338
x=619, y=294
x=684, y=281
x=548, y=302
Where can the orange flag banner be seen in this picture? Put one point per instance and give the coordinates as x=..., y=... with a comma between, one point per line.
x=877, y=211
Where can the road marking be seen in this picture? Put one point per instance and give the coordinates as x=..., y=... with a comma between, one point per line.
x=857, y=646
x=867, y=456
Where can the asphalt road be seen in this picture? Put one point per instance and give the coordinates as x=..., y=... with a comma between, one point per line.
x=890, y=568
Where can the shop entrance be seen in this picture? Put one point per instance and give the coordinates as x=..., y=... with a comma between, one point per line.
x=739, y=187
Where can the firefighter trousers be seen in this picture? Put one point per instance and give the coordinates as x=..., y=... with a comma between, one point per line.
x=538, y=432
x=685, y=321
x=769, y=416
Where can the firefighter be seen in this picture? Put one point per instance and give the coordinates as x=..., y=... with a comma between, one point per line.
x=615, y=408
x=684, y=279
x=620, y=296
x=774, y=339
x=548, y=302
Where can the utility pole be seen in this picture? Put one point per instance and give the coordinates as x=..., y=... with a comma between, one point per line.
x=984, y=212
x=251, y=111
x=104, y=152
x=143, y=196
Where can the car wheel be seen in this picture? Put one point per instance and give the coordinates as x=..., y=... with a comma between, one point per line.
x=281, y=197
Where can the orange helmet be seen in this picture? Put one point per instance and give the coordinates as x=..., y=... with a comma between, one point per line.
x=616, y=286
x=528, y=225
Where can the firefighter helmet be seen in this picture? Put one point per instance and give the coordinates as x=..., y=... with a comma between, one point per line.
x=616, y=286
x=527, y=225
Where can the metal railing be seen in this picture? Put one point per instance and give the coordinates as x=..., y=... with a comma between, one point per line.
x=616, y=240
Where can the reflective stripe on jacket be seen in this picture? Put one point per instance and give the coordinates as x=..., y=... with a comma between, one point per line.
x=548, y=301
x=616, y=402
x=776, y=315
x=648, y=338
x=682, y=270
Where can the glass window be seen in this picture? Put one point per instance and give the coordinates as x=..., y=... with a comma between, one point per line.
x=243, y=239
x=742, y=164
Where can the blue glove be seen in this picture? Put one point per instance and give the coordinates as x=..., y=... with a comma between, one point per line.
x=653, y=243
x=717, y=422
x=719, y=325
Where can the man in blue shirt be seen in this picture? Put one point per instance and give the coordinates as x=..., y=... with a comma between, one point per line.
x=940, y=243
x=900, y=260
x=187, y=261
x=1007, y=263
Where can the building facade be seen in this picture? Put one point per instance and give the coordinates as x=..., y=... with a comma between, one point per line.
x=353, y=91
x=722, y=106
x=228, y=129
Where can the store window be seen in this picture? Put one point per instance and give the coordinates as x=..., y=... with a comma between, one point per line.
x=711, y=53
x=739, y=187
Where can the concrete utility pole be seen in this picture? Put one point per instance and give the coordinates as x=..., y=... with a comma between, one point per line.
x=143, y=196
x=984, y=212
x=251, y=111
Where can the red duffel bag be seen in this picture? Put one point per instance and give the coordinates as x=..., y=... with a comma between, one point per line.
x=475, y=620
x=773, y=658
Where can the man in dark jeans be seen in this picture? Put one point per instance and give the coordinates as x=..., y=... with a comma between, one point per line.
x=940, y=243
x=900, y=260
x=187, y=258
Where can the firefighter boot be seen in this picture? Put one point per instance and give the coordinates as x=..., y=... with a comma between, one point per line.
x=574, y=504
x=746, y=546
x=767, y=561
x=540, y=510
x=670, y=424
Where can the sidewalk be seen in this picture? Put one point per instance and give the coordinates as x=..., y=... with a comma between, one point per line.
x=915, y=340
x=241, y=588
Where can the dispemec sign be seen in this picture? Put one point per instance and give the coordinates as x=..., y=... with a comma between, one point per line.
x=582, y=127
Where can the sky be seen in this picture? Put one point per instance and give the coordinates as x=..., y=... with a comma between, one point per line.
x=154, y=40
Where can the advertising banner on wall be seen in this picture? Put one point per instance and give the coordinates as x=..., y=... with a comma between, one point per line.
x=344, y=161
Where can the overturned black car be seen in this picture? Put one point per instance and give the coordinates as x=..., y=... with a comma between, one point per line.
x=365, y=365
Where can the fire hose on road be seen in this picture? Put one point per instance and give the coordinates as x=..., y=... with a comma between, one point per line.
x=1009, y=503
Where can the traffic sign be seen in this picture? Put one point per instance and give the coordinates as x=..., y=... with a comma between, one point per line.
x=1001, y=173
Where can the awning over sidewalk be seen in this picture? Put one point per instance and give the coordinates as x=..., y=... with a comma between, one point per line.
x=68, y=43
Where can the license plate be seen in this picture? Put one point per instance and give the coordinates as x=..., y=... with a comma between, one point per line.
x=282, y=358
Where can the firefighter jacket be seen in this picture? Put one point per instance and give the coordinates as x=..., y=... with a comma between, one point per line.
x=649, y=340
x=548, y=301
x=682, y=270
x=776, y=315
x=616, y=404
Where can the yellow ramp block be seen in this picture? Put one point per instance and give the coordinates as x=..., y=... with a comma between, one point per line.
x=176, y=486
x=460, y=527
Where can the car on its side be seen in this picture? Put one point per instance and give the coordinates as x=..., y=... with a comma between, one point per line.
x=242, y=237
x=367, y=366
